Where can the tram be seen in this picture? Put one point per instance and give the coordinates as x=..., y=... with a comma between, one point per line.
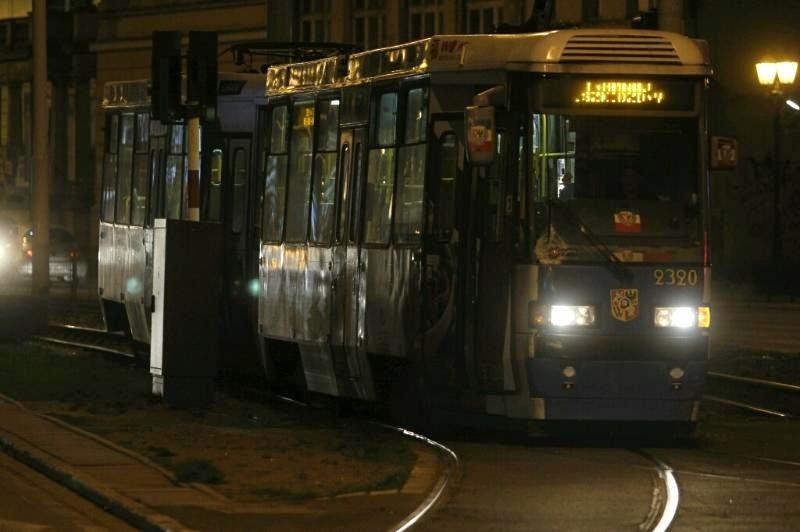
x=145, y=174
x=515, y=224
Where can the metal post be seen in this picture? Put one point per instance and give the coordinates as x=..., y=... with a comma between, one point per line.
x=41, y=171
x=193, y=149
x=777, y=176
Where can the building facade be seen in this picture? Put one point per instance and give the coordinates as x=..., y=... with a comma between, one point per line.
x=71, y=72
x=91, y=42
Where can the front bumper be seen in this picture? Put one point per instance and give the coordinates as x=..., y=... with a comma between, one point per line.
x=618, y=378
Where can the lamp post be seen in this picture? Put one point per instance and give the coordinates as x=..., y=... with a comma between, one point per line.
x=776, y=75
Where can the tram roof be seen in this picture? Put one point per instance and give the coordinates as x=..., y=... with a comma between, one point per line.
x=136, y=93
x=582, y=51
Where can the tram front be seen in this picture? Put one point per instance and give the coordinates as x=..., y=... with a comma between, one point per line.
x=618, y=202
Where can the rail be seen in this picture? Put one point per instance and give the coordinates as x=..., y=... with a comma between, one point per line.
x=761, y=396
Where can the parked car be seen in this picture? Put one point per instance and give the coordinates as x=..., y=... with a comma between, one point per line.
x=66, y=261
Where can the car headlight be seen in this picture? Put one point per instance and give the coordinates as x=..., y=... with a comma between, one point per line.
x=682, y=317
x=572, y=315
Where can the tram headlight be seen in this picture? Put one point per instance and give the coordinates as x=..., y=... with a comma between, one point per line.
x=682, y=317
x=572, y=315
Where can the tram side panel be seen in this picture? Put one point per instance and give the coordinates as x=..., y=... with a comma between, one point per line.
x=125, y=269
x=391, y=301
x=137, y=276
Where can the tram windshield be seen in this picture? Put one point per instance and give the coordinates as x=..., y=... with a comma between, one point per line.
x=628, y=180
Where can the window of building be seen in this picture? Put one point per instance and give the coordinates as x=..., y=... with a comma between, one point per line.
x=426, y=18
x=484, y=16
x=315, y=20
x=369, y=23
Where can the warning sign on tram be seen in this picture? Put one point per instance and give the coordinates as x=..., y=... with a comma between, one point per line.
x=480, y=135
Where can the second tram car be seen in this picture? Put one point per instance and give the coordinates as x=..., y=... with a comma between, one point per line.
x=145, y=171
x=512, y=223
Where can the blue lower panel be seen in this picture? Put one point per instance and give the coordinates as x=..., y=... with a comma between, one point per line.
x=613, y=390
x=618, y=409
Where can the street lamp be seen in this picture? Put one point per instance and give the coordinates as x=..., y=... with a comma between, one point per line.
x=776, y=75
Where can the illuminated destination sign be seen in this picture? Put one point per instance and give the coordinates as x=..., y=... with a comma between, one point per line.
x=620, y=92
x=662, y=94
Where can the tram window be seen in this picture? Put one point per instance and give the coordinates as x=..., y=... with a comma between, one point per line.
x=142, y=132
x=355, y=104
x=300, y=154
x=380, y=173
x=416, y=115
x=386, y=119
x=328, y=126
x=323, y=198
x=156, y=184
x=446, y=193
x=323, y=195
x=239, y=189
x=357, y=195
x=175, y=173
x=344, y=191
x=378, y=201
x=109, y=183
x=139, y=195
x=277, y=141
x=411, y=168
x=140, y=170
x=113, y=134
x=125, y=168
x=215, y=185
x=176, y=139
x=172, y=186
x=158, y=135
x=411, y=181
x=274, y=197
x=275, y=174
x=157, y=129
x=110, y=169
x=627, y=159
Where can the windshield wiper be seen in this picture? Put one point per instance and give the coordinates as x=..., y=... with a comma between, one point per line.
x=612, y=263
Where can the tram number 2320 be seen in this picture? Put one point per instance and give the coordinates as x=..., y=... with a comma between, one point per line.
x=673, y=277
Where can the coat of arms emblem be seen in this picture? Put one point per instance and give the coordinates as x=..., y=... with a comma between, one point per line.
x=625, y=304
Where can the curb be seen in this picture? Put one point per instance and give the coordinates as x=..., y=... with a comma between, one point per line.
x=102, y=496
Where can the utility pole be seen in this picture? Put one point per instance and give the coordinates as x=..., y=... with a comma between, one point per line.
x=193, y=153
x=41, y=167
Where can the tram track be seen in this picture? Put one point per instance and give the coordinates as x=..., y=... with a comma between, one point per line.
x=666, y=496
x=88, y=338
x=118, y=345
x=761, y=396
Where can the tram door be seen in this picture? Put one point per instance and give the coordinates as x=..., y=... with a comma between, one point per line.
x=348, y=322
x=225, y=198
x=488, y=259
